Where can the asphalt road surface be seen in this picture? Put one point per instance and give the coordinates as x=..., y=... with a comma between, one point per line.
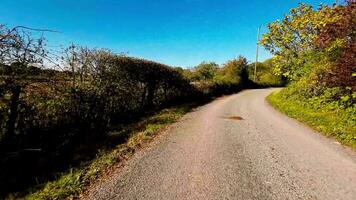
x=236, y=147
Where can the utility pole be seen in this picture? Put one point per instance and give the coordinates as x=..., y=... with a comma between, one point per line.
x=258, y=39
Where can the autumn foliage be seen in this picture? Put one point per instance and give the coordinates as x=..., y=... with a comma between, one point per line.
x=342, y=31
x=315, y=50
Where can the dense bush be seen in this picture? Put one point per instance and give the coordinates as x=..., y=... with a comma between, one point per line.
x=315, y=50
x=234, y=71
x=47, y=114
x=323, y=56
x=212, y=79
x=322, y=112
x=338, y=40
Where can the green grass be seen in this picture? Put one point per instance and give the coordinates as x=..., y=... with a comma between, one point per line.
x=337, y=123
x=71, y=183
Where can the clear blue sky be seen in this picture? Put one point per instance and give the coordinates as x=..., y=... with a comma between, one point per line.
x=175, y=32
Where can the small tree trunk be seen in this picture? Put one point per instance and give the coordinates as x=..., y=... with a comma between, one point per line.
x=13, y=113
x=81, y=77
x=151, y=86
x=165, y=88
x=73, y=76
x=143, y=97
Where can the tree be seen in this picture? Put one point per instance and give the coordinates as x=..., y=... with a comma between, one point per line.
x=205, y=71
x=338, y=41
x=265, y=75
x=234, y=71
x=293, y=39
x=20, y=50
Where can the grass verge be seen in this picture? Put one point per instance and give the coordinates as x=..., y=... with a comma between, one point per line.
x=339, y=124
x=70, y=184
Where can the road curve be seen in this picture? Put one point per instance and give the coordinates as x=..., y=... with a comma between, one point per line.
x=214, y=154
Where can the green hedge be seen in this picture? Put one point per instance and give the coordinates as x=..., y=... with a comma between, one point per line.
x=331, y=118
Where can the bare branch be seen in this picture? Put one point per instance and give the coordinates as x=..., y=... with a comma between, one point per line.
x=34, y=29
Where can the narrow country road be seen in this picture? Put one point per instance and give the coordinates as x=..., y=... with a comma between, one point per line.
x=214, y=154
